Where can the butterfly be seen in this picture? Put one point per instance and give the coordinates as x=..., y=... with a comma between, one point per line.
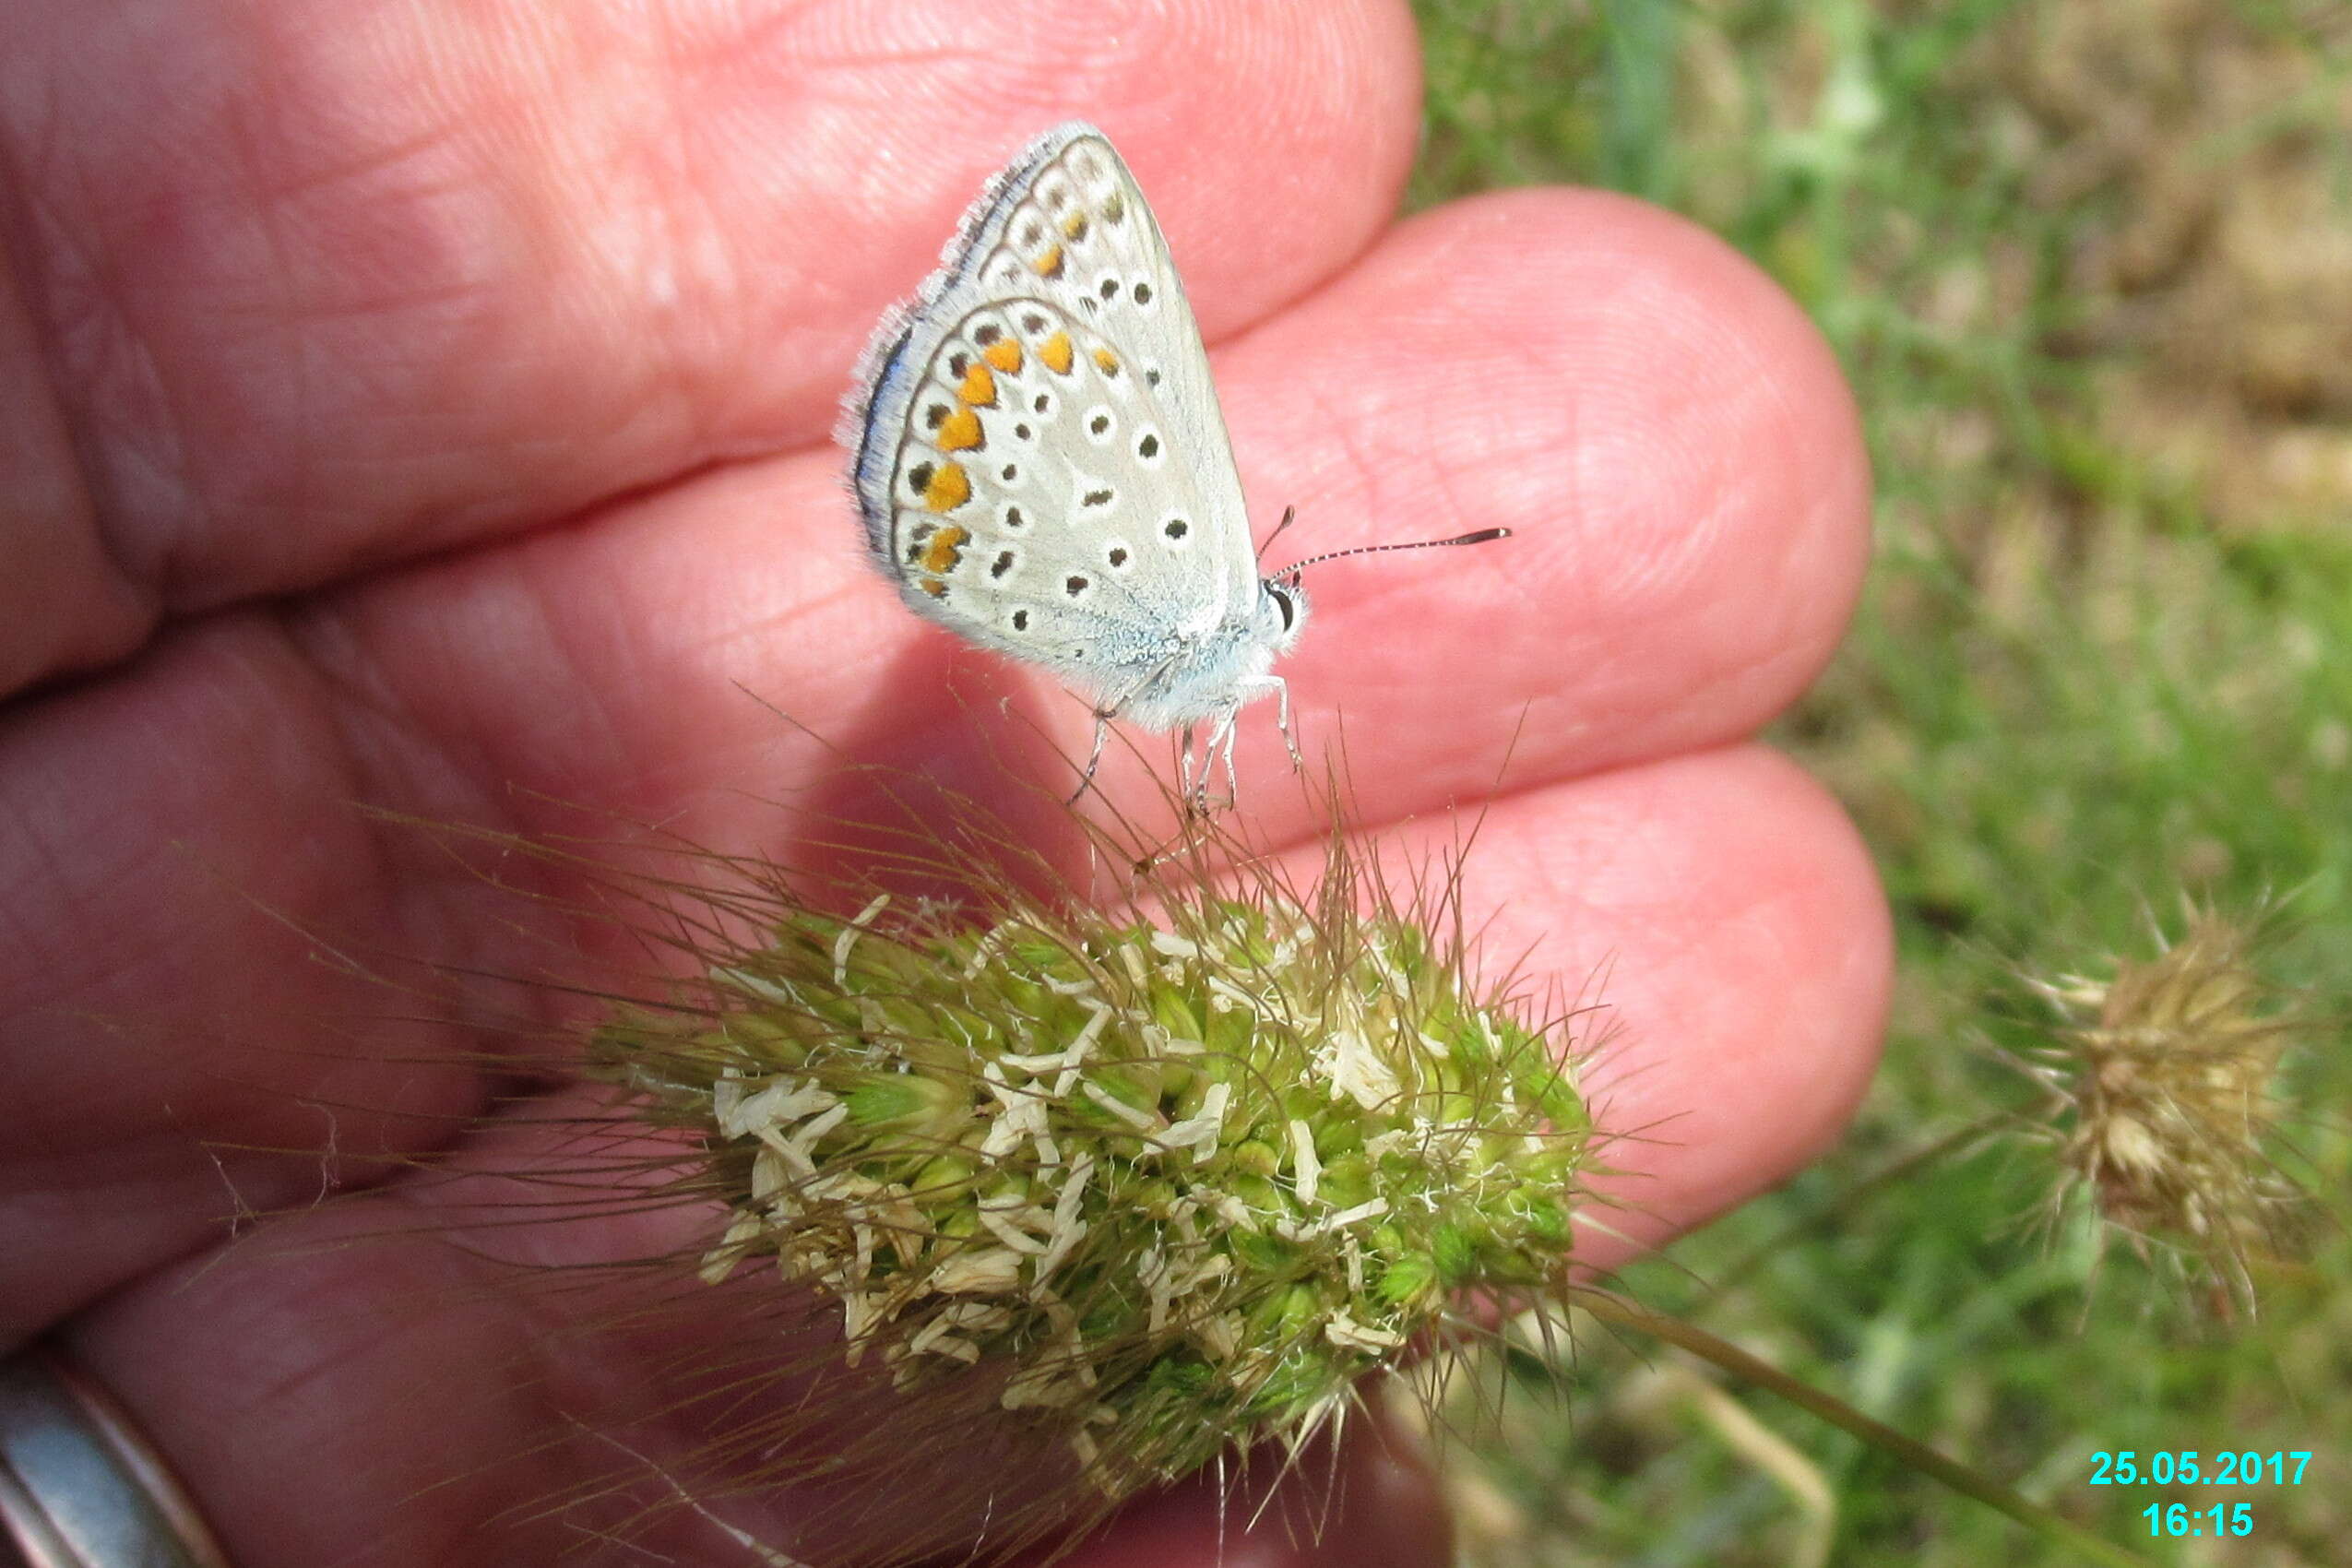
x=1041, y=466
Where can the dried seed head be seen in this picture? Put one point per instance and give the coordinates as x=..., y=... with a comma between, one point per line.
x=2169, y=1068
x=1137, y=1187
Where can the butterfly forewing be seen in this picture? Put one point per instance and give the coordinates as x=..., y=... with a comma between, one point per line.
x=1085, y=234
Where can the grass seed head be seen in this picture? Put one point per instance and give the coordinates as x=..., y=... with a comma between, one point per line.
x=2170, y=1069
x=1140, y=1184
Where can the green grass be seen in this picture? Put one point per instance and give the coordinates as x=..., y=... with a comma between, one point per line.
x=2088, y=683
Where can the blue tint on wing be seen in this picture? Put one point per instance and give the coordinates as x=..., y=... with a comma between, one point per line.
x=892, y=367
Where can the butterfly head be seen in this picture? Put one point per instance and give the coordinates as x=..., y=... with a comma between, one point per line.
x=1282, y=610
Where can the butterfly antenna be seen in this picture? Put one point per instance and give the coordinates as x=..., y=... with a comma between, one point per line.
x=1481, y=536
x=1287, y=512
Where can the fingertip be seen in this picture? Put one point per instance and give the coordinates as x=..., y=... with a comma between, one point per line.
x=1668, y=436
x=1709, y=414
x=1753, y=1017
x=1370, y=1497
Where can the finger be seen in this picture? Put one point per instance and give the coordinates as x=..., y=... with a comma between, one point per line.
x=312, y=295
x=176, y=857
x=1666, y=436
x=1664, y=431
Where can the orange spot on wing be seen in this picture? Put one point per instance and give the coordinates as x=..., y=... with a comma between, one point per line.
x=1107, y=361
x=1074, y=226
x=1056, y=353
x=1049, y=261
x=980, y=388
x=949, y=488
x=945, y=549
x=935, y=588
x=1005, y=354
x=959, y=431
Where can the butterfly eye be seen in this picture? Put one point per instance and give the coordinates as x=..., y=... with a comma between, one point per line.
x=1282, y=602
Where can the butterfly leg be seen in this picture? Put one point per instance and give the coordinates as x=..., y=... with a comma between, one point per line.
x=1189, y=785
x=1221, y=738
x=1250, y=691
x=1102, y=718
x=1282, y=722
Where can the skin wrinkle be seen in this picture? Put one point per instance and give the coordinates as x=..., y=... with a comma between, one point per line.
x=193, y=1215
x=692, y=238
x=139, y=444
x=83, y=609
x=430, y=908
x=1326, y=418
x=136, y=454
x=332, y=638
x=1820, y=530
x=294, y=345
x=77, y=891
x=46, y=295
x=1437, y=461
x=1387, y=580
x=32, y=859
x=1790, y=657
x=593, y=725
x=1496, y=214
x=89, y=967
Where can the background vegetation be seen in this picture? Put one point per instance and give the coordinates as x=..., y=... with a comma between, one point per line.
x=2088, y=264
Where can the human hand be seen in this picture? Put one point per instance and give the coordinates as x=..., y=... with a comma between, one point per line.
x=429, y=406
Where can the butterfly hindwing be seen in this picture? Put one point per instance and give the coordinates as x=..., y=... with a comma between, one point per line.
x=1040, y=506
x=1041, y=461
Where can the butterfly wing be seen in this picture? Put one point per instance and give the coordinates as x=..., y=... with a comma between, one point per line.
x=1039, y=460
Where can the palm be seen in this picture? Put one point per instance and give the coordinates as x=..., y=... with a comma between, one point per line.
x=441, y=422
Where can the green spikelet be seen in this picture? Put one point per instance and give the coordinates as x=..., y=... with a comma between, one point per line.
x=1163, y=1185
